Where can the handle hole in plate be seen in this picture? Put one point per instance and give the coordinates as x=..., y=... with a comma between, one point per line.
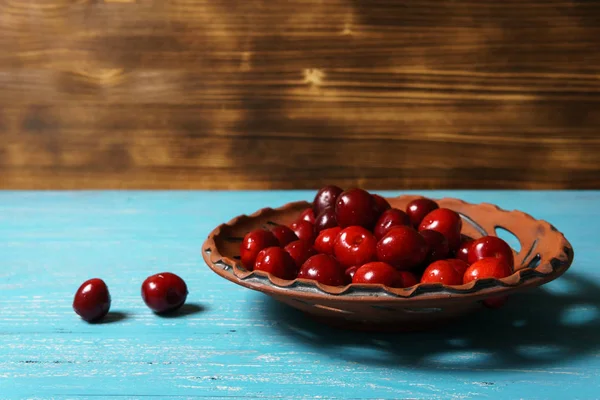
x=509, y=238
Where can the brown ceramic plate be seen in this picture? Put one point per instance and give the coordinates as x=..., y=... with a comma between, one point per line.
x=544, y=255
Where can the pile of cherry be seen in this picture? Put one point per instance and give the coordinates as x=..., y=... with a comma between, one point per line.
x=355, y=237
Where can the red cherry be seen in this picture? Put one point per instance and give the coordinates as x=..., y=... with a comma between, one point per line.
x=462, y=253
x=406, y=279
x=376, y=273
x=381, y=203
x=442, y=271
x=324, y=242
x=300, y=251
x=92, y=300
x=277, y=262
x=350, y=273
x=418, y=209
x=437, y=245
x=304, y=230
x=458, y=265
x=445, y=221
x=325, y=220
x=164, y=292
x=491, y=246
x=490, y=267
x=389, y=219
x=402, y=247
x=324, y=269
x=308, y=215
x=284, y=234
x=325, y=198
x=356, y=207
x=354, y=245
x=254, y=242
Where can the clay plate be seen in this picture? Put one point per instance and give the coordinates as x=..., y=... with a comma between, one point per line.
x=545, y=255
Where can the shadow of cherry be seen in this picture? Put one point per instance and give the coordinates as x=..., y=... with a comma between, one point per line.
x=534, y=328
x=183, y=311
x=112, y=317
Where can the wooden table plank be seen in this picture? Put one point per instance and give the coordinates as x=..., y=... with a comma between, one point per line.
x=235, y=343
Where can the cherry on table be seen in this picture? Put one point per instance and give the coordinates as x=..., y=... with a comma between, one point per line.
x=402, y=247
x=356, y=207
x=300, y=251
x=277, y=262
x=304, y=230
x=92, y=300
x=445, y=221
x=326, y=239
x=284, y=234
x=490, y=267
x=324, y=269
x=388, y=219
x=376, y=272
x=437, y=245
x=253, y=242
x=164, y=292
x=325, y=198
x=354, y=245
x=491, y=246
x=325, y=220
x=418, y=209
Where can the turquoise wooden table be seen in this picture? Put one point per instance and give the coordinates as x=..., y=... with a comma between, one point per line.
x=230, y=342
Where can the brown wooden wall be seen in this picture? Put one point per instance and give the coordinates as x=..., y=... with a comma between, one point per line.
x=298, y=93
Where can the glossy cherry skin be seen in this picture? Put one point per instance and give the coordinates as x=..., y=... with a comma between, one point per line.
x=388, y=219
x=458, y=265
x=376, y=272
x=490, y=267
x=491, y=246
x=324, y=242
x=304, y=230
x=418, y=209
x=381, y=203
x=356, y=207
x=437, y=245
x=92, y=300
x=402, y=247
x=254, y=242
x=277, y=262
x=445, y=221
x=323, y=269
x=300, y=250
x=443, y=272
x=164, y=292
x=350, y=274
x=462, y=253
x=325, y=220
x=284, y=235
x=354, y=245
x=406, y=279
x=308, y=215
x=326, y=198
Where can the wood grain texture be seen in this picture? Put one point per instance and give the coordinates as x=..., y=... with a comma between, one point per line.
x=297, y=94
x=235, y=343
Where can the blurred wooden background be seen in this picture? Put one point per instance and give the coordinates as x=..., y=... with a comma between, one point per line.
x=298, y=93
